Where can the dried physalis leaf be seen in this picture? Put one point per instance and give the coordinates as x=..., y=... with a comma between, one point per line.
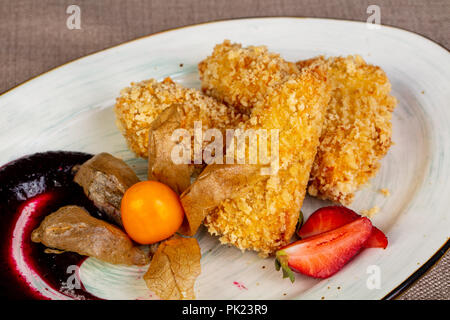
x=72, y=228
x=215, y=184
x=160, y=164
x=174, y=268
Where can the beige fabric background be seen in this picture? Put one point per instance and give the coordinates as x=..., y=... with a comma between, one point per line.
x=34, y=38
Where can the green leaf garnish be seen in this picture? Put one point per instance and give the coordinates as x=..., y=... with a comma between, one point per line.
x=281, y=261
x=277, y=265
x=300, y=222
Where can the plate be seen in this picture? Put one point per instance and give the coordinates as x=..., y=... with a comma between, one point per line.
x=70, y=108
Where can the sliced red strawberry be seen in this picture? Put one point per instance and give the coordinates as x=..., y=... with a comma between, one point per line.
x=332, y=217
x=377, y=239
x=326, y=219
x=323, y=255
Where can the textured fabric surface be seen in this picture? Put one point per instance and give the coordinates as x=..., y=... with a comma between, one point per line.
x=435, y=285
x=34, y=38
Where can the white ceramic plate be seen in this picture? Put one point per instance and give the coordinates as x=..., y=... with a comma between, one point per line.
x=70, y=108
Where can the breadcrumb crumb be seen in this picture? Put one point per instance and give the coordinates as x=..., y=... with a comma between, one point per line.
x=371, y=212
x=385, y=192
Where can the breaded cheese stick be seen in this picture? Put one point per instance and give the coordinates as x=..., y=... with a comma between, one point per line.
x=141, y=103
x=263, y=215
x=241, y=77
x=357, y=130
x=149, y=112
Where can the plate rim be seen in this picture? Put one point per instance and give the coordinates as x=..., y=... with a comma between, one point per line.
x=419, y=273
x=424, y=268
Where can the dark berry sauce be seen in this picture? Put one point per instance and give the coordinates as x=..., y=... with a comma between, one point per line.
x=38, y=185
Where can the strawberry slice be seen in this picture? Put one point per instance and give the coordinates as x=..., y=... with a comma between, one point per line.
x=323, y=255
x=332, y=217
x=377, y=239
x=326, y=219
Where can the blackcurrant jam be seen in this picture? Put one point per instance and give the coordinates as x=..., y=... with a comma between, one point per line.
x=31, y=188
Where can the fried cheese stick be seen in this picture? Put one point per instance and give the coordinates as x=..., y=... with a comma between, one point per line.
x=148, y=112
x=242, y=77
x=357, y=130
x=263, y=215
x=141, y=103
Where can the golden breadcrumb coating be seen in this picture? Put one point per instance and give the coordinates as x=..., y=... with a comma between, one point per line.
x=264, y=217
x=371, y=212
x=357, y=130
x=139, y=105
x=241, y=77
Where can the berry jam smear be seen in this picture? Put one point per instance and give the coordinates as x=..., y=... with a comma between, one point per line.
x=44, y=183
